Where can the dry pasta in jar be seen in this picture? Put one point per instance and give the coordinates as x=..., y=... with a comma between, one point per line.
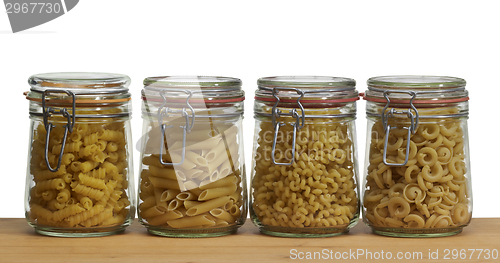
x=192, y=180
x=304, y=167
x=80, y=154
x=417, y=158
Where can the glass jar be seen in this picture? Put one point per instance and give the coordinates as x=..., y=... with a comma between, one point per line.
x=417, y=165
x=80, y=154
x=304, y=167
x=192, y=168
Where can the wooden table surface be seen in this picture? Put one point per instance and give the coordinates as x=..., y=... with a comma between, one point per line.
x=20, y=243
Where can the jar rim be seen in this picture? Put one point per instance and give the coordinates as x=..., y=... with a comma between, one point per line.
x=190, y=82
x=80, y=83
x=81, y=89
x=306, y=82
x=416, y=82
x=310, y=91
x=416, y=89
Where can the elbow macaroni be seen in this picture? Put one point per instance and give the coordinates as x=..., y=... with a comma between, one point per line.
x=318, y=190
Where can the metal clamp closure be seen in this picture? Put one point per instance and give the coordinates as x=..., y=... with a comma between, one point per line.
x=47, y=112
x=164, y=111
x=276, y=113
x=387, y=128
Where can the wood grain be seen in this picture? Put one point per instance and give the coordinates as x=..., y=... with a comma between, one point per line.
x=20, y=243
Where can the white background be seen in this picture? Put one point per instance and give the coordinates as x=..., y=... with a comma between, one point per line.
x=253, y=39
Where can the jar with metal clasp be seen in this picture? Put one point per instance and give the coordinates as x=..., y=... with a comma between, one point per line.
x=192, y=181
x=417, y=169
x=304, y=170
x=79, y=179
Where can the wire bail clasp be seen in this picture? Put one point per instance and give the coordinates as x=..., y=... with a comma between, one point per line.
x=164, y=111
x=276, y=113
x=387, y=128
x=47, y=112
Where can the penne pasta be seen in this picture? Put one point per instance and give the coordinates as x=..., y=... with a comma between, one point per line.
x=213, y=193
x=196, y=158
x=228, y=181
x=169, y=195
x=207, y=206
x=166, y=173
x=152, y=212
x=186, y=196
x=221, y=214
x=164, y=183
x=163, y=219
x=196, y=182
x=192, y=222
x=189, y=204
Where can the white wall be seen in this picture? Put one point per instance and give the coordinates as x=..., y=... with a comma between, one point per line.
x=253, y=39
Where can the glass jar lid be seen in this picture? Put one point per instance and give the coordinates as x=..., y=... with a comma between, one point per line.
x=312, y=91
x=209, y=96
x=419, y=89
x=205, y=83
x=204, y=89
x=88, y=88
x=80, y=94
x=81, y=82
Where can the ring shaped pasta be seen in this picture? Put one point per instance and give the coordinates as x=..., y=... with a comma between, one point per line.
x=435, y=144
x=448, y=129
x=374, y=196
x=444, y=154
x=398, y=207
x=411, y=173
x=460, y=213
x=413, y=193
x=432, y=175
x=430, y=191
x=396, y=145
x=430, y=131
x=455, y=168
x=412, y=153
x=418, y=140
x=427, y=156
x=414, y=221
x=396, y=190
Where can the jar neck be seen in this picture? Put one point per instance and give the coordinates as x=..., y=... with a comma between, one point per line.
x=264, y=109
x=151, y=110
x=424, y=111
x=85, y=111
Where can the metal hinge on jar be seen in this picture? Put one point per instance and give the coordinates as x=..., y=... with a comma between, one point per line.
x=276, y=113
x=47, y=112
x=387, y=128
x=164, y=111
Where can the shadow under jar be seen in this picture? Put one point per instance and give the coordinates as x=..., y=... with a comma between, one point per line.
x=417, y=166
x=304, y=167
x=80, y=155
x=192, y=169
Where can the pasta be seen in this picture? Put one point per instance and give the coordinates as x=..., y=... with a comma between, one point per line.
x=430, y=191
x=318, y=190
x=188, y=189
x=89, y=188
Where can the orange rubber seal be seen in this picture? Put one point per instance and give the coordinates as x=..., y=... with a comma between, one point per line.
x=308, y=101
x=78, y=101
